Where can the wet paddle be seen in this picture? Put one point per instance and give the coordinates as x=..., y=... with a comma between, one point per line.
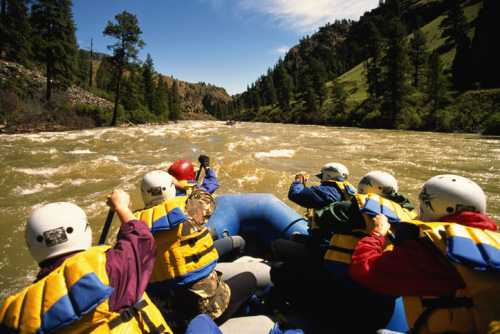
x=107, y=225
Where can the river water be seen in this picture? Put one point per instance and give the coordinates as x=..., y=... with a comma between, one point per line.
x=84, y=166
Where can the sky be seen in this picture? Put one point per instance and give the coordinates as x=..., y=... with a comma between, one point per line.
x=227, y=43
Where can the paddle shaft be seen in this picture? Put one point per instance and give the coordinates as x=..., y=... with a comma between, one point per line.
x=107, y=225
x=198, y=173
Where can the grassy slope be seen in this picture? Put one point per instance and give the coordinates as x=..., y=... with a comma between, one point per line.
x=355, y=81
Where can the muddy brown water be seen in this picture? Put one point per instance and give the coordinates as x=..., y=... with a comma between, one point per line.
x=84, y=166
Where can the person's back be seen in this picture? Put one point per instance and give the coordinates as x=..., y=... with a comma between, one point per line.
x=81, y=288
x=445, y=265
x=184, y=282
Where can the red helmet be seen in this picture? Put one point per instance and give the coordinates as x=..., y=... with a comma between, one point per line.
x=182, y=170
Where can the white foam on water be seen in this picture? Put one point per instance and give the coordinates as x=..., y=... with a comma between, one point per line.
x=275, y=154
x=232, y=146
x=248, y=179
x=49, y=151
x=35, y=189
x=111, y=158
x=82, y=151
x=96, y=208
x=79, y=182
x=38, y=171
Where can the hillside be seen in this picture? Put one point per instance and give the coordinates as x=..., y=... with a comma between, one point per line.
x=407, y=64
x=191, y=94
x=355, y=79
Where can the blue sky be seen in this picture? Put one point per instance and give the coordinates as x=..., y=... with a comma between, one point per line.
x=228, y=43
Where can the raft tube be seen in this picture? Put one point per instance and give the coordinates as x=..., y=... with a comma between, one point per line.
x=262, y=213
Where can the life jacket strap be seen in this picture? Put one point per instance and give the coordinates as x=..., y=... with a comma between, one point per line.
x=433, y=304
x=357, y=234
x=341, y=249
x=127, y=314
x=198, y=256
x=191, y=241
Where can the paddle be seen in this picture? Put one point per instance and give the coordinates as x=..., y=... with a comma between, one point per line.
x=198, y=173
x=107, y=225
x=204, y=161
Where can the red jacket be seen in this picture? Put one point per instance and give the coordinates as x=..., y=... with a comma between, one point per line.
x=412, y=268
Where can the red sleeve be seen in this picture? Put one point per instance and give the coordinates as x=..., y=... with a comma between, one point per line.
x=411, y=269
x=130, y=263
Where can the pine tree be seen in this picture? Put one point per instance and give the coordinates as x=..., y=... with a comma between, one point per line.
x=160, y=100
x=319, y=76
x=91, y=64
x=147, y=77
x=395, y=79
x=54, y=37
x=127, y=32
x=437, y=85
x=455, y=29
x=15, y=31
x=104, y=75
x=283, y=88
x=270, y=89
x=461, y=67
x=257, y=102
x=418, y=56
x=3, y=27
x=339, y=97
x=485, y=50
x=175, y=102
x=133, y=96
x=455, y=26
x=82, y=68
x=373, y=65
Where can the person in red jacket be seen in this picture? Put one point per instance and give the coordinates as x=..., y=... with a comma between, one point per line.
x=415, y=267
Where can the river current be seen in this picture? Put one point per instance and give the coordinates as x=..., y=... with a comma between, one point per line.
x=84, y=166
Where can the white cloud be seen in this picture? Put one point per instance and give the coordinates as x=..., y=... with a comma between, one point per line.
x=282, y=50
x=307, y=15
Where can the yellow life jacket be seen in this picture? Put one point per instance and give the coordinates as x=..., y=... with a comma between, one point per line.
x=74, y=299
x=181, y=255
x=342, y=244
x=165, y=215
x=187, y=187
x=475, y=254
x=346, y=189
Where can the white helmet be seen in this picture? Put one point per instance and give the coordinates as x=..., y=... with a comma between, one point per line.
x=333, y=171
x=57, y=228
x=444, y=195
x=378, y=182
x=156, y=187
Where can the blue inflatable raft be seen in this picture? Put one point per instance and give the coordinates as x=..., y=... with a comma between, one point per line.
x=270, y=218
x=262, y=213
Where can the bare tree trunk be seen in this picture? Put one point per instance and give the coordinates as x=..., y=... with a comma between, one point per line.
x=48, y=92
x=117, y=95
x=91, y=67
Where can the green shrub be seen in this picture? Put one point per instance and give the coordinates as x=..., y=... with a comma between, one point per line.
x=100, y=116
x=141, y=115
x=492, y=125
x=409, y=119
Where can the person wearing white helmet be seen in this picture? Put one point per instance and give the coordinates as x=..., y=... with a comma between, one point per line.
x=445, y=265
x=184, y=282
x=385, y=185
x=81, y=288
x=333, y=187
